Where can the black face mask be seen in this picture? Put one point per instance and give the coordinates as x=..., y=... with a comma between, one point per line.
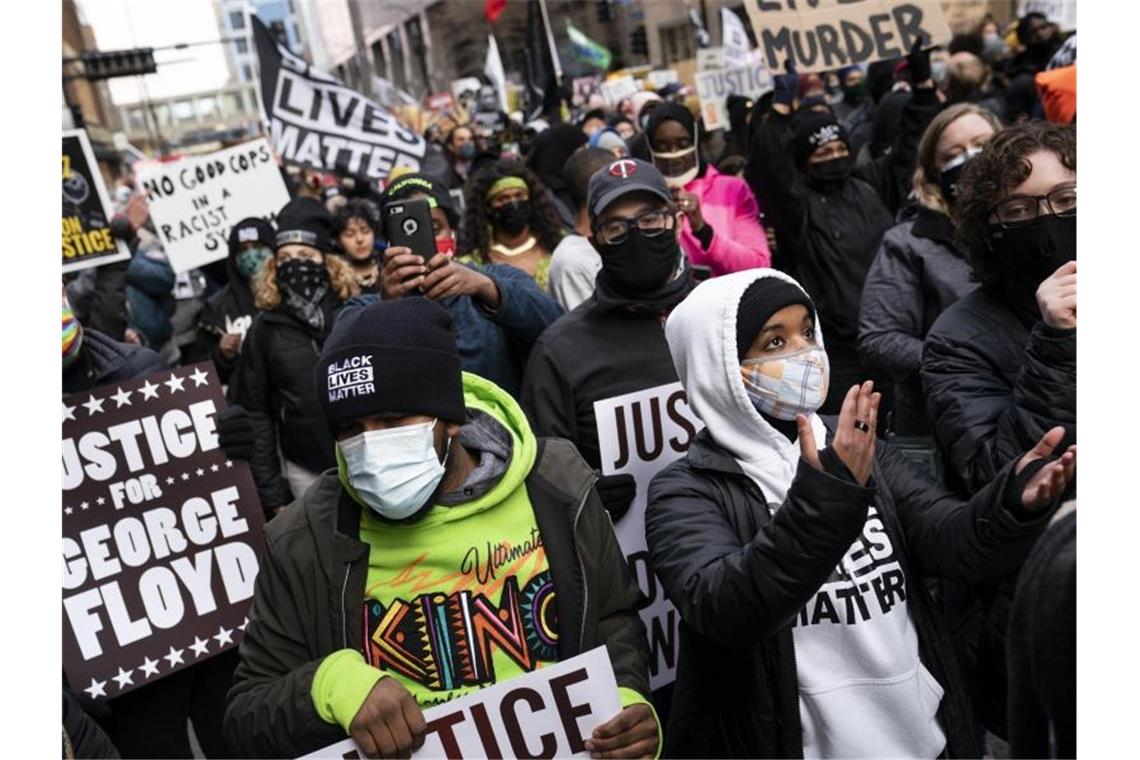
x=512, y=218
x=1032, y=252
x=948, y=177
x=640, y=265
x=830, y=174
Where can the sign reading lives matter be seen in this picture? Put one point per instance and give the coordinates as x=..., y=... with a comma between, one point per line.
x=87, y=240
x=827, y=34
x=639, y=434
x=161, y=533
x=196, y=200
x=546, y=713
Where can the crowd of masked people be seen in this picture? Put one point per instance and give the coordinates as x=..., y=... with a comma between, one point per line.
x=870, y=544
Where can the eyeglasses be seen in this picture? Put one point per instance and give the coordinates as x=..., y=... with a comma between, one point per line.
x=649, y=223
x=1022, y=209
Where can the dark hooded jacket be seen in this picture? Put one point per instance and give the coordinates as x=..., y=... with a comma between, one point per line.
x=102, y=361
x=547, y=158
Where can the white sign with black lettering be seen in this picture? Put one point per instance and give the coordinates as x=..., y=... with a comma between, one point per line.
x=714, y=87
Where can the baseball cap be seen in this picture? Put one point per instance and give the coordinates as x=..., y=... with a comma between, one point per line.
x=624, y=176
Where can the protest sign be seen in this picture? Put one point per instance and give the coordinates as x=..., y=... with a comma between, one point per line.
x=734, y=39
x=582, y=88
x=161, y=533
x=87, y=240
x=832, y=33
x=316, y=121
x=440, y=102
x=710, y=58
x=658, y=78
x=194, y=201
x=562, y=705
x=640, y=433
x=618, y=89
x=714, y=87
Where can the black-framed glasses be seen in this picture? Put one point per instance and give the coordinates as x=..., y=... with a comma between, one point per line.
x=649, y=223
x=1023, y=209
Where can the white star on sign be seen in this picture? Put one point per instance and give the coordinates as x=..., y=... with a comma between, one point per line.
x=223, y=636
x=124, y=678
x=67, y=510
x=199, y=377
x=175, y=383
x=199, y=646
x=185, y=476
x=96, y=689
x=244, y=623
x=68, y=412
x=149, y=667
x=93, y=405
x=229, y=463
x=122, y=398
x=84, y=506
x=148, y=390
x=175, y=656
x=100, y=501
x=200, y=472
x=170, y=481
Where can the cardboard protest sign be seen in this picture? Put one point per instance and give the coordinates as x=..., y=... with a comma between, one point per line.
x=829, y=34
x=546, y=713
x=710, y=58
x=194, y=201
x=640, y=433
x=714, y=87
x=618, y=89
x=87, y=240
x=658, y=78
x=316, y=121
x=161, y=533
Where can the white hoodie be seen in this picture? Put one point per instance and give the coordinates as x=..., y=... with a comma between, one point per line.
x=863, y=691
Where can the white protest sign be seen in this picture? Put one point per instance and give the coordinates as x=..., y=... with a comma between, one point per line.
x=196, y=200
x=734, y=39
x=616, y=90
x=714, y=87
x=639, y=434
x=710, y=58
x=545, y=713
x=658, y=78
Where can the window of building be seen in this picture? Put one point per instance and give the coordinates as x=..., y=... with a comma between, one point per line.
x=207, y=107
x=184, y=111
x=241, y=46
x=677, y=43
x=246, y=73
x=237, y=20
x=136, y=119
x=396, y=49
x=379, y=62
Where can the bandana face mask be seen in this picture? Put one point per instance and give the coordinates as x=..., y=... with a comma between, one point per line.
x=784, y=386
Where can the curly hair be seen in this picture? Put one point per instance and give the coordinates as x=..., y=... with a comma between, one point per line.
x=476, y=233
x=1002, y=165
x=926, y=172
x=356, y=208
x=267, y=297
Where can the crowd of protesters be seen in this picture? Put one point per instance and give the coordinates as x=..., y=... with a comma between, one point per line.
x=919, y=212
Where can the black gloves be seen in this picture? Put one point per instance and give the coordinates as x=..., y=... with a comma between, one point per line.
x=784, y=85
x=235, y=433
x=616, y=492
x=918, y=62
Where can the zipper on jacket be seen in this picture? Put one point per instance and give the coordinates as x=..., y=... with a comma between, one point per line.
x=582, y=566
x=344, y=606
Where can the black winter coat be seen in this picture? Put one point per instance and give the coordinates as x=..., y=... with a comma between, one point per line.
x=739, y=575
x=917, y=274
x=102, y=361
x=996, y=379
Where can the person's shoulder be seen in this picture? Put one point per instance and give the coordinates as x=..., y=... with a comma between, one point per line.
x=975, y=314
x=292, y=531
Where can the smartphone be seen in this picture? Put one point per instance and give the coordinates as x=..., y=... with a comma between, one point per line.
x=408, y=223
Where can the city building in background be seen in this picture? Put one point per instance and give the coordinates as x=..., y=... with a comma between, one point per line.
x=88, y=104
x=279, y=15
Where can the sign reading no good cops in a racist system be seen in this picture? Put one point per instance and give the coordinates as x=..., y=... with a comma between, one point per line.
x=828, y=34
x=195, y=201
x=639, y=434
x=161, y=533
x=87, y=240
x=546, y=713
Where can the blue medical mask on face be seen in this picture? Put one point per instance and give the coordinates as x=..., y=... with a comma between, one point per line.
x=394, y=471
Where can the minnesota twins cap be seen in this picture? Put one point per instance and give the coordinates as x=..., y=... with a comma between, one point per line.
x=626, y=175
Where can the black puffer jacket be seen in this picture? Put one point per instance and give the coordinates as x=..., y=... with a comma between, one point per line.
x=916, y=275
x=996, y=379
x=102, y=360
x=739, y=577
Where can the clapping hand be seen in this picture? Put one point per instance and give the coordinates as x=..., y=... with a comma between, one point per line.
x=854, y=441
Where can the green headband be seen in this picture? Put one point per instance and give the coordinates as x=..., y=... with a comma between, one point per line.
x=507, y=183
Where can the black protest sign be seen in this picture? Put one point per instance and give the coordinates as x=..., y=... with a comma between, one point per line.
x=826, y=34
x=87, y=240
x=161, y=533
x=315, y=120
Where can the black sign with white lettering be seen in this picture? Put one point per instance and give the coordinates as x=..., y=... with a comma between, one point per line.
x=161, y=533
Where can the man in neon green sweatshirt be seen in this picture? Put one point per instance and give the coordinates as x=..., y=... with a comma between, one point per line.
x=449, y=550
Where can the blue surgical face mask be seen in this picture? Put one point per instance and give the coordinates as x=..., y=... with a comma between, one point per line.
x=394, y=471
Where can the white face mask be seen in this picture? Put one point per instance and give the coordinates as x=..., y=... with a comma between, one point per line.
x=685, y=177
x=394, y=471
x=788, y=385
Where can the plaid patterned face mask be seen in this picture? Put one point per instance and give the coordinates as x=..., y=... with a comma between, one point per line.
x=785, y=386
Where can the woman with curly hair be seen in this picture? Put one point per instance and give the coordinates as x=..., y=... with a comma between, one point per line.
x=298, y=291
x=511, y=220
x=355, y=226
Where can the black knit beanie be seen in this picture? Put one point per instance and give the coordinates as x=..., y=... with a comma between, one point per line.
x=394, y=356
x=305, y=221
x=252, y=229
x=759, y=302
x=669, y=111
x=813, y=131
x=408, y=185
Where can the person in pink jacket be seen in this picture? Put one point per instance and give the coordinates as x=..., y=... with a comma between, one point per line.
x=721, y=227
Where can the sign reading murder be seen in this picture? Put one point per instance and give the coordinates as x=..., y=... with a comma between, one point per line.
x=640, y=433
x=316, y=121
x=196, y=200
x=714, y=87
x=546, y=713
x=828, y=34
x=87, y=240
x=161, y=533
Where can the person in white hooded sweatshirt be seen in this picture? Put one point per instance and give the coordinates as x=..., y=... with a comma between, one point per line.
x=795, y=547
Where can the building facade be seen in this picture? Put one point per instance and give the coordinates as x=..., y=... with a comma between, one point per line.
x=282, y=18
x=89, y=101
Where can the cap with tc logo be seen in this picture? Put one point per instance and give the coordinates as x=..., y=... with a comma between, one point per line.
x=626, y=175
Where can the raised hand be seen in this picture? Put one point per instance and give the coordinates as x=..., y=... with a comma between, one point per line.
x=1057, y=297
x=854, y=440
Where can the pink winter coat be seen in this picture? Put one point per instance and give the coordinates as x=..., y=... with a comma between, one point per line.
x=728, y=206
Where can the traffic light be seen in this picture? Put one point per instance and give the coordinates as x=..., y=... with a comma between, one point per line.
x=604, y=15
x=638, y=44
x=118, y=63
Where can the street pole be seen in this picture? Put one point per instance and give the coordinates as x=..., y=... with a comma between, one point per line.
x=550, y=43
x=73, y=107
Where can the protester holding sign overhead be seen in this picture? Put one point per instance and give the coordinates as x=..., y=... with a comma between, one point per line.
x=438, y=477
